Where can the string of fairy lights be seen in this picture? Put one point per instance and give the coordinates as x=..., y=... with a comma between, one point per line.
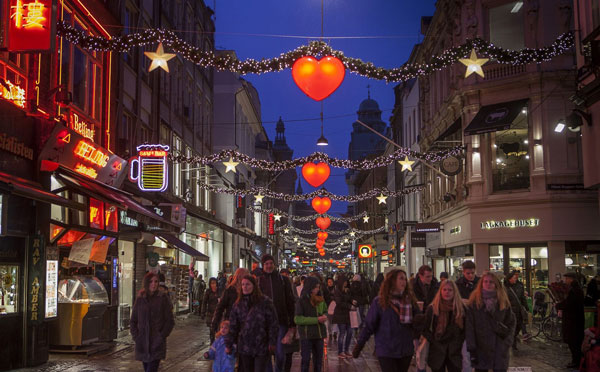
x=227, y=62
x=349, y=232
x=277, y=212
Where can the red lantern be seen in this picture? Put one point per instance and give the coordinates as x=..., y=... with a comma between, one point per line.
x=323, y=222
x=322, y=235
x=322, y=253
x=321, y=205
x=318, y=79
x=316, y=174
x=331, y=260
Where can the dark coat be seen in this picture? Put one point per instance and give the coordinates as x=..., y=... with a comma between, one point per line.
x=209, y=305
x=279, y=290
x=449, y=345
x=392, y=338
x=358, y=293
x=516, y=296
x=377, y=286
x=573, y=319
x=228, y=298
x=343, y=302
x=489, y=336
x=465, y=287
x=423, y=294
x=151, y=323
x=253, y=327
x=306, y=317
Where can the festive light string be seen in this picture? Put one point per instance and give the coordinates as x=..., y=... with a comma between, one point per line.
x=256, y=190
x=331, y=232
x=337, y=242
x=285, y=60
x=311, y=217
x=380, y=161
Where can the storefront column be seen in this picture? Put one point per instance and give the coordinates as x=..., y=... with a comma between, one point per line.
x=556, y=259
x=482, y=257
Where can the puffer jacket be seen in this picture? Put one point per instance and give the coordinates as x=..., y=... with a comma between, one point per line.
x=306, y=318
x=253, y=327
x=223, y=362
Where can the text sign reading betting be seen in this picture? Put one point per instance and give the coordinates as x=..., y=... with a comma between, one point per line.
x=30, y=25
x=149, y=168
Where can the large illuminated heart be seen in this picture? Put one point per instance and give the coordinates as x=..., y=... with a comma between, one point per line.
x=316, y=174
x=323, y=222
x=321, y=205
x=318, y=79
x=322, y=235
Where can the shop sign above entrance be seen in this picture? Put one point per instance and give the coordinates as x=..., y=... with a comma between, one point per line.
x=510, y=224
x=418, y=240
x=31, y=24
x=455, y=230
x=150, y=169
x=451, y=166
x=427, y=227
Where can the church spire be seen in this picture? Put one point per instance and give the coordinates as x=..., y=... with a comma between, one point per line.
x=299, y=188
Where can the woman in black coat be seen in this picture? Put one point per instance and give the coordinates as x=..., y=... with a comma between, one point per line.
x=518, y=303
x=209, y=305
x=341, y=316
x=490, y=325
x=228, y=298
x=573, y=319
x=151, y=323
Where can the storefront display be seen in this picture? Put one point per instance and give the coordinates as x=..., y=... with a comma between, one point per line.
x=51, y=288
x=126, y=276
x=530, y=261
x=9, y=290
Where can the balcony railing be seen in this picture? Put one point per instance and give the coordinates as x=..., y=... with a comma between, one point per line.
x=501, y=71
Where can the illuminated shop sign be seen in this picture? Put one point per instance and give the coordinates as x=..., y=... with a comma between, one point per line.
x=30, y=25
x=14, y=146
x=365, y=251
x=82, y=127
x=149, y=168
x=127, y=221
x=271, y=224
x=71, y=150
x=455, y=230
x=13, y=93
x=510, y=224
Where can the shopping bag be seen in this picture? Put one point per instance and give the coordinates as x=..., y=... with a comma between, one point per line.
x=331, y=308
x=354, y=319
x=422, y=353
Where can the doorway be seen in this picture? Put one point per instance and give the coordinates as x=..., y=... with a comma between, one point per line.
x=530, y=259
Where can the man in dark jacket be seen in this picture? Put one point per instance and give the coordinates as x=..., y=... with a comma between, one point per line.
x=467, y=283
x=425, y=286
x=273, y=285
x=573, y=319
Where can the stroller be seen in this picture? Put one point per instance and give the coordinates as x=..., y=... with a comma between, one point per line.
x=540, y=306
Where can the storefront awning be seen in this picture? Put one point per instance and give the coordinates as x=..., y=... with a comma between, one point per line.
x=182, y=246
x=31, y=190
x=495, y=117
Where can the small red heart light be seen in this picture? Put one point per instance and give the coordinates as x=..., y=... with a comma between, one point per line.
x=322, y=235
x=318, y=79
x=319, y=244
x=322, y=253
x=321, y=205
x=316, y=174
x=323, y=222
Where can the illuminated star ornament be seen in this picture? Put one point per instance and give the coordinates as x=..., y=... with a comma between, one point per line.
x=352, y=233
x=159, y=58
x=474, y=64
x=258, y=197
x=277, y=217
x=285, y=231
x=381, y=198
x=406, y=164
x=231, y=167
x=366, y=219
x=296, y=239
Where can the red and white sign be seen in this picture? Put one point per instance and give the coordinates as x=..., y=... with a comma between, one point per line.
x=30, y=25
x=271, y=224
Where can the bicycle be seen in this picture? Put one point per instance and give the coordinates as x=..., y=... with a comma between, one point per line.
x=545, y=320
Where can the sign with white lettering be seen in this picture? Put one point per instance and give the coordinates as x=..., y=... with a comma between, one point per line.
x=510, y=224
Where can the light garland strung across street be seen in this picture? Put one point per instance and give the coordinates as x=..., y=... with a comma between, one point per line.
x=332, y=232
x=285, y=60
x=337, y=242
x=299, y=197
x=380, y=161
x=311, y=217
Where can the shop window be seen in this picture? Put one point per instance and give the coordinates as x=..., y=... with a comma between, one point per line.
x=497, y=259
x=506, y=25
x=9, y=289
x=585, y=264
x=539, y=267
x=510, y=156
x=111, y=218
x=96, y=214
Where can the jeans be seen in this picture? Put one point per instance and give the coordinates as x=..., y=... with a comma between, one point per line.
x=314, y=347
x=151, y=366
x=252, y=363
x=394, y=364
x=347, y=331
x=279, y=352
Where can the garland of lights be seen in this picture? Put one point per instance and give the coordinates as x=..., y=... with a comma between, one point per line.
x=251, y=66
x=336, y=242
x=308, y=218
x=331, y=232
x=256, y=190
x=380, y=161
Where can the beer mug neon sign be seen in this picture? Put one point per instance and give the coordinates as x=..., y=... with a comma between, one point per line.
x=150, y=168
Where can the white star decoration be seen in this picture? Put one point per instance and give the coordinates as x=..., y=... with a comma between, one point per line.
x=285, y=231
x=230, y=166
x=277, y=217
x=352, y=233
x=474, y=64
x=381, y=198
x=159, y=58
x=295, y=239
x=366, y=219
x=258, y=198
x=406, y=164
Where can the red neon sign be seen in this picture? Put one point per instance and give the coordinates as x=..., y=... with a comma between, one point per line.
x=153, y=153
x=96, y=214
x=271, y=224
x=30, y=25
x=90, y=153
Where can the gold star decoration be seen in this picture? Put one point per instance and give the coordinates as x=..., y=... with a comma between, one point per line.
x=352, y=233
x=381, y=198
x=277, y=217
x=366, y=219
x=406, y=164
x=295, y=239
x=474, y=64
x=285, y=231
x=231, y=166
x=258, y=197
x=159, y=58
x=345, y=240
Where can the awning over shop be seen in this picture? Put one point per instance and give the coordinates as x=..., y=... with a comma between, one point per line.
x=495, y=117
x=182, y=246
x=32, y=190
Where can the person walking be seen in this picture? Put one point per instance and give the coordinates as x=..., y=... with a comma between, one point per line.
x=518, y=303
x=358, y=294
x=445, y=329
x=209, y=305
x=310, y=318
x=341, y=316
x=390, y=319
x=198, y=290
x=228, y=298
x=466, y=284
x=425, y=286
x=273, y=285
x=151, y=323
x=490, y=325
x=573, y=320
x=223, y=362
x=253, y=327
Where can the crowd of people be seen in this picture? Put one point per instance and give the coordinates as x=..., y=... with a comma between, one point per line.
x=259, y=318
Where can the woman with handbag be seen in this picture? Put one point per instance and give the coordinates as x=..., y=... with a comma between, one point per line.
x=390, y=319
x=518, y=303
x=445, y=329
x=490, y=325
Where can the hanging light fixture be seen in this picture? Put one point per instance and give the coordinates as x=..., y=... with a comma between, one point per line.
x=322, y=141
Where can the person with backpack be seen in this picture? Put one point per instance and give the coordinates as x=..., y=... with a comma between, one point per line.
x=310, y=318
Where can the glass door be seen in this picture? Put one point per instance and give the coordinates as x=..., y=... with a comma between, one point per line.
x=531, y=262
x=126, y=275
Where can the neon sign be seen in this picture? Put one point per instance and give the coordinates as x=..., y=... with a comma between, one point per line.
x=86, y=171
x=90, y=153
x=30, y=26
x=365, y=251
x=150, y=169
x=85, y=129
x=13, y=93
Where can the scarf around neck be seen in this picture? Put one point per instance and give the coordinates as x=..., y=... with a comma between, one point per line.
x=316, y=299
x=490, y=299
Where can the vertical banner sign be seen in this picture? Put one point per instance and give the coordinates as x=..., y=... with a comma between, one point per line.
x=31, y=24
x=36, y=279
x=271, y=224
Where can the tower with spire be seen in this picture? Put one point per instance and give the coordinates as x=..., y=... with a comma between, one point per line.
x=285, y=181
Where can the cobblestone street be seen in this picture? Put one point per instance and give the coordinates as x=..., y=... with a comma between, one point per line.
x=189, y=341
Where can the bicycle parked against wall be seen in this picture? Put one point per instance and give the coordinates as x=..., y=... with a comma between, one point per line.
x=545, y=318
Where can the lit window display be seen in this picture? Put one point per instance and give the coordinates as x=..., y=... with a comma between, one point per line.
x=9, y=289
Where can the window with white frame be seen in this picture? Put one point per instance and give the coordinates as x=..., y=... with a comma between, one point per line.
x=506, y=25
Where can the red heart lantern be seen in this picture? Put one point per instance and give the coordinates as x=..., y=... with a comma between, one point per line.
x=318, y=79
x=319, y=245
x=321, y=205
x=322, y=253
x=322, y=235
x=323, y=222
x=331, y=260
x=316, y=174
